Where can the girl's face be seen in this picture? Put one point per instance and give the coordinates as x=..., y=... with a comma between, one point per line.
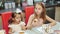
x=38, y=9
x=17, y=18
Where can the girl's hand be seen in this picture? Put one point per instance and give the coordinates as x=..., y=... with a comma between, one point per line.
x=29, y=27
x=10, y=31
x=23, y=27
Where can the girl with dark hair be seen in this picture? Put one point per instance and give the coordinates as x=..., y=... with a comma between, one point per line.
x=16, y=24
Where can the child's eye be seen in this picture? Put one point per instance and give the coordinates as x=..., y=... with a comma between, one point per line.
x=38, y=8
x=34, y=21
x=17, y=18
x=35, y=8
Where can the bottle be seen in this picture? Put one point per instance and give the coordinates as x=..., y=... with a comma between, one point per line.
x=13, y=4
x=6, y=5
x=10, y=5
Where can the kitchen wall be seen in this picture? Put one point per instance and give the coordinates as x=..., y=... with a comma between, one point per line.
x=0, y=23
x=57, y=14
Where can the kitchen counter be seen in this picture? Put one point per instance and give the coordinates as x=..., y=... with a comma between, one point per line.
x=47, y=6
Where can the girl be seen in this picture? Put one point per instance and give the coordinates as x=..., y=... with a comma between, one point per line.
x=40, y=15
x=16, y=24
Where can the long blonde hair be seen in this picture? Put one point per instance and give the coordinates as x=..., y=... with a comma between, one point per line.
x=43, y=12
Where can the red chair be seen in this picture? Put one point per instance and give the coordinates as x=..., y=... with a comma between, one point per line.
x=5, y=17
x=28, y=11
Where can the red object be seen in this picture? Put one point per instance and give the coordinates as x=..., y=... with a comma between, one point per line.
x=28, y=11
x=5, y=17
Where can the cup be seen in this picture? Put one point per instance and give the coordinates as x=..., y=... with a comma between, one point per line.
x=21, y=32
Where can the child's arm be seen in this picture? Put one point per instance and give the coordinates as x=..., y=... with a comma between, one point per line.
x=10, y=31
x=53, y=22
x=24, y=27
x=29, y=26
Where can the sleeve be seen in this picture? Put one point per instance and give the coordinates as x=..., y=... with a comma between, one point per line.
x=23, y=23
x=10, y=26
